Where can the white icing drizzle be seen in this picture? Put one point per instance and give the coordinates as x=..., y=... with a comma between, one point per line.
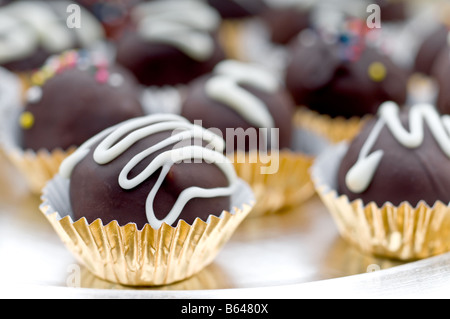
x=16, y=39
x=26, y=24
x=118, y=139
x=185, y=24
x=360, y=176
x=225, y=88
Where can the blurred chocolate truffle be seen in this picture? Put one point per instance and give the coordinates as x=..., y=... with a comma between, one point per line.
x=399, y=157
x=430, y=49
x=171, y=181
x=32, y=31
x=441, y=74
x=174, y=42
x=240, y=98
x=285, y=21
x=74, y=97
x=342, y=76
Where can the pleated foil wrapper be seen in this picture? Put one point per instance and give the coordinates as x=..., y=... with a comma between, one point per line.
x=36, y=168
x=290, y=186
x=281, y=181
x=145, y=257
x=399, y=232
x=336, y=130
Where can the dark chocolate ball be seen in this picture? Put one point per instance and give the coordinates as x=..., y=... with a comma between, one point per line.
x=95, y=192
x=284, y=24
x=173, y=42
x=404, y=174
x=338, y=80
x=160, y=64
x=430, y=49
x=76, y=104
x=199, y=106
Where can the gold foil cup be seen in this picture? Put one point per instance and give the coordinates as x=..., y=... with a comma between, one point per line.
x=399, y=232
x=36, y=168
x=149, y=257
x=212, y=277
x=336, y=130
x=288, y=187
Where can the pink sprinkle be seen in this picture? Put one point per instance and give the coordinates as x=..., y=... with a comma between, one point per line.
x=102, y=76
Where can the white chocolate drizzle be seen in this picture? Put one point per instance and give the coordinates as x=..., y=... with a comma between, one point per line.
x=184, y=24
x=26, y=25
x=115, y=141
x=225, y=87
x=360, y=176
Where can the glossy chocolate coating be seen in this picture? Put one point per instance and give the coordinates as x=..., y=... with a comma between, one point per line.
x=75, y=106
x=159, y=64
x=322, y=79
x=404, y=175
x=441, y=71
x=286, y=23
x=198, y=106
x=430, y=50
x=95, y=192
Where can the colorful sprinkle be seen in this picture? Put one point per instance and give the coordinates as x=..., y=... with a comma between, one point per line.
x=116, y=80
x=26, y=120
x=34, y=94
x=102, y=75
x=38, y=78
x=82, y=59
x=377, y=71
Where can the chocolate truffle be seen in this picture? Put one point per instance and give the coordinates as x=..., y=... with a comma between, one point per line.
x=75, y=97
x=240, y=98
x=399, y=157
x=430, y=49
x=150, y=170
x=236, y=9
x=344, y=78
x=174, y=42
x=32, y=31
x=284, y=22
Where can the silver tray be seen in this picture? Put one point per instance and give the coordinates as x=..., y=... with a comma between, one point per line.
x=294, y=254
